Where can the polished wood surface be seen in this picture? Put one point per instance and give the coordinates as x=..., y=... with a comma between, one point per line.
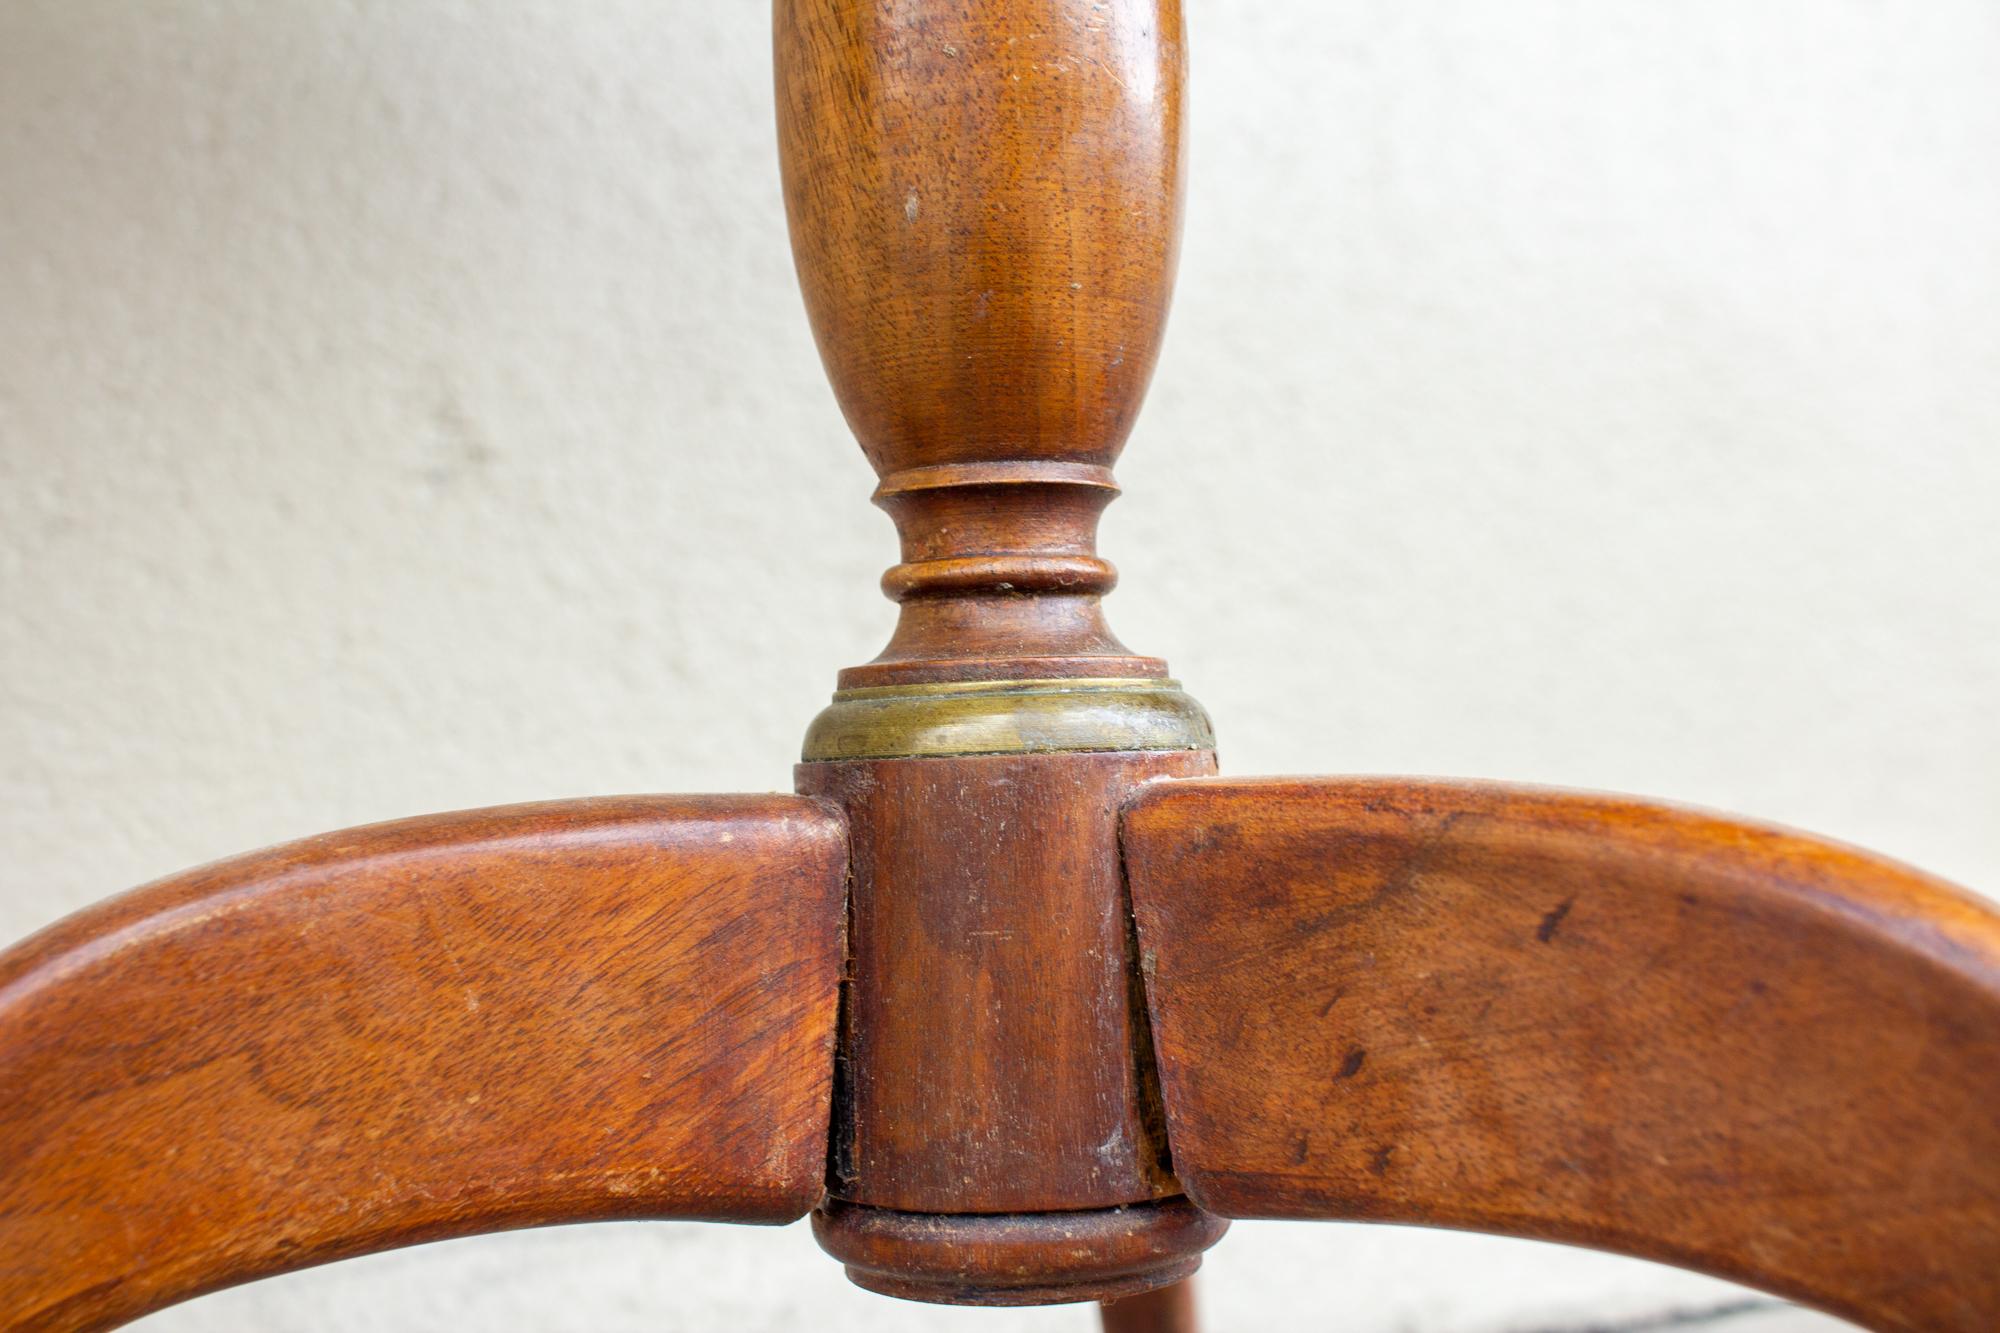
x=1038, y=1258
x=503, y=1018
x=994, y=1053
x=1575, y=1018
x=1579, y=1018
x=985, y=210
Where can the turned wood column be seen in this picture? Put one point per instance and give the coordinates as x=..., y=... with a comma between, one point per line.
x=984, y=199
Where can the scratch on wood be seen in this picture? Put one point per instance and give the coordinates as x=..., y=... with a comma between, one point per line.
x=1553, y=921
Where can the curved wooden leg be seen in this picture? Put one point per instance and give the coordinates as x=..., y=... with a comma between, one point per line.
x=1583, y=1019
x=552, y=1013
x=1168, y=1309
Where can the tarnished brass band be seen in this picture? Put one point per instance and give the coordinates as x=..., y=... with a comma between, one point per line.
x=1008, y=717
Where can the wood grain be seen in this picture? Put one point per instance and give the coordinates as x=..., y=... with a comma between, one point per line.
x=502, y=1018
x=985, y=211
x=1584, y=1019
x=994, y=1058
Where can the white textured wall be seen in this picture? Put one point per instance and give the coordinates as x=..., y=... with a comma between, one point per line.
x=407, y=406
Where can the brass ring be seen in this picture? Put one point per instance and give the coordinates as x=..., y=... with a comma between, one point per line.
x=1008, y=717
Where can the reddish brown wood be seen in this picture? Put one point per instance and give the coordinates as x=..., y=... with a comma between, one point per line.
x=1567, y=1017
x=985, y=210
x=1584, y=1019
x=994, y=1053
x=464, y=1023
x=1018, y=1258
x=1168, y=1309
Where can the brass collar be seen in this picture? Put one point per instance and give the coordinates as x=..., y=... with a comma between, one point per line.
x=1008, y=717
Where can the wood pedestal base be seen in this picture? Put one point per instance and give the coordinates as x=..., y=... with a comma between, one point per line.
x=1098, y=1254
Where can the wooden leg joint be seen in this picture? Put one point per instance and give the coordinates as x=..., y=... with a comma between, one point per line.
x=998, y=1136
x=995, y=1057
